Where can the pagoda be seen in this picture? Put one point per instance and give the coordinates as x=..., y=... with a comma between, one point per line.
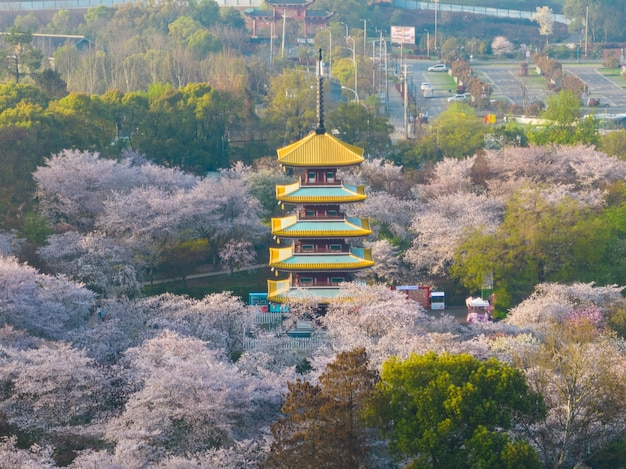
x=318, y=244
x=281, y=10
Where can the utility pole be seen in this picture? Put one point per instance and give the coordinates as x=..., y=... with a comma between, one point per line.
x=436, y=12
x=427, y=43
x=356, y=69
x=386, y=79
x=364, y=38
x=406, y=105
x=282, y=47
x=586, y=29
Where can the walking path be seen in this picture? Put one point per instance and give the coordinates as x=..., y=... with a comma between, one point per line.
x=211, y=273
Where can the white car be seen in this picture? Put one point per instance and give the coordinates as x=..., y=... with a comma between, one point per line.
x=425, y=86
x=457, y=98
x=438, y=68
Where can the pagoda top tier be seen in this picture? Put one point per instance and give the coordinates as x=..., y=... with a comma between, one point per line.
x=320, y=150
x=288, y=3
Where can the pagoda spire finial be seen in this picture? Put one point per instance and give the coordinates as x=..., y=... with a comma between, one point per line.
x=320, y=96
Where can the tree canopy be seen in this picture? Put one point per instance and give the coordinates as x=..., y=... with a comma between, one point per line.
x=454, y=411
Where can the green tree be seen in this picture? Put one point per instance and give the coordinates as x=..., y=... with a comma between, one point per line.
x=83, y=121
x=230, y=16
x=455, y=411
x=360, y=127
x=457, y=132
x=537, y=242
x=324, y=426
x=291, y=105
x=207, y=12
x=566, y=128
x=614, y=144
x=20, y=57
x=11, y=94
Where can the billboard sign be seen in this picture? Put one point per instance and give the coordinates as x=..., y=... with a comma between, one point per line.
x=403, y=34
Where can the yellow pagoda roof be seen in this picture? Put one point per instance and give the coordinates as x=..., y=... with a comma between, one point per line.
x=348, y=227
x=297, y=194
x=280, y=291
x=320, y=150
x=286, y=259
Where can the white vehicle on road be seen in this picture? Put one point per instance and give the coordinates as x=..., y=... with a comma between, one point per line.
x=438, y=68
x=457, y=98
x=425, y=86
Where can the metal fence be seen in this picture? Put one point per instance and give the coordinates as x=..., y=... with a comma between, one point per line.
x=288, y=343
x=487, y=11
x=85, y=4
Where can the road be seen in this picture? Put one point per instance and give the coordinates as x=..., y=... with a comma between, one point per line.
x=507, y=84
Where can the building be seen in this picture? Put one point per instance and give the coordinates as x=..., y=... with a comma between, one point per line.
x=264, y=22
x=317, y=244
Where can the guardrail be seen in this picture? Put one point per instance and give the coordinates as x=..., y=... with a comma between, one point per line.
x=487, y=11
x=29, y=5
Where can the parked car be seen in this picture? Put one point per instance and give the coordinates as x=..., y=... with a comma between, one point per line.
x=457, y=98
x=595, y=102
x=438, y=68
x=425, y=86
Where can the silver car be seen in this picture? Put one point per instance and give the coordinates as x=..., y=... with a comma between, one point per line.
x=438, y=68
x=457, y=98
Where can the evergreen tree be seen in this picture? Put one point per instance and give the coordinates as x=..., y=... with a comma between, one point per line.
x=323, y=425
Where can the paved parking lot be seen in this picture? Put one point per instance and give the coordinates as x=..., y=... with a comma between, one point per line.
x=507, y=84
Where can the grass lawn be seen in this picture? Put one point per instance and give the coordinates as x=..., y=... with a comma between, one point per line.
x=240, y=283
x=614, y=75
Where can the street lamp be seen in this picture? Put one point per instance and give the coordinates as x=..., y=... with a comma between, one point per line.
x=427, y=43
x=356, y=69
x=330, y=52
x=436, y=11
x=354, y=91
x=347, y=34
x=364, y=37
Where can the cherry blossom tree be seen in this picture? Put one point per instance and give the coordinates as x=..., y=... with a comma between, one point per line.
x=501, y=45
x=147, y=219
x=122, y=323
x=50, y=387
x=220, y=319
x=102, y=264
x=222, y=210
x=552, y=302
x=188, y=400
x=382, y=176
x=236, y=254
x=387, y=267
x=9, y=243
x=383, y=321
x=581, y=374
x=73, y=185
x=36, y=457
x=440, y=228
x=387, y=223
x=44, y=305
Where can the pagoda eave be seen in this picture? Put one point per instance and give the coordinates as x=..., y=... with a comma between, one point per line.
x=307, y=234
x=321, y=200
x=348, y=266
x=281, y=291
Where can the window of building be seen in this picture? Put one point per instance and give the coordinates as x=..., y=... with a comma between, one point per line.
x=335, y=247
x=307, y=248
x=306, y=281
x=330, y=176
x=335, y=280
x=312, y=176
